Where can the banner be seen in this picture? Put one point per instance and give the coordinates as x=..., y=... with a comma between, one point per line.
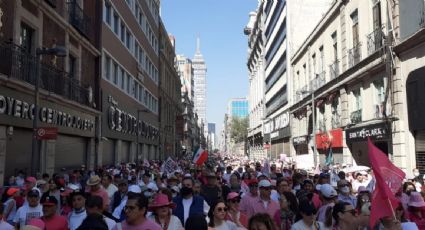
x=389, y=179
x=169, y=166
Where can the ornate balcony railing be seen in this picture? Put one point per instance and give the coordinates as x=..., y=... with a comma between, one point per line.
x=354, y=55
x=18, y=64
x=356, y=116
x=318, y=81
x=334, y=69
x=375, y=41
x=78, y=18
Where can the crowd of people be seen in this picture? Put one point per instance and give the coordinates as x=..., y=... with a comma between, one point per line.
x=229, y=195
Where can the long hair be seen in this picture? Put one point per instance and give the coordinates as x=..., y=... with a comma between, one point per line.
x=262, y=218
x=211, y=212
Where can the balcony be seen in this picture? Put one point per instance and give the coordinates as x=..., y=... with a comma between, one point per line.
x=322, y=125
x=318, y=81
x=354, y=55
x=336, y=121
x=78, y=18
x=18, y=64
x=356, y=116
x=301, y=93
x=375, y=41
x=334, y=69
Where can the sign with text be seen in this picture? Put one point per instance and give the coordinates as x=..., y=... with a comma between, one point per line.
x=47, y=133
x=374, y=132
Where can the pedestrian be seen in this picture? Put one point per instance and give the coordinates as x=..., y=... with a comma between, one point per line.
x=3, y=224
x=284, y=217
x=234, y=214
x=261, y=221
x=416, y=209
x=308, y=218
x=93, y=221
x=211, y=191
x=51, y=219
x=95, y=189
x=110, y=188
x=196, y=222
x=10, y=205
x=78, y=213
x=162, y=214
x=54, y=186
x=188, y=204
x=135, y=211
x=344, y=215
x=249, y=198
x=30, y=211
x=94, y=205
x=263, y=203
x=120, y=193
x=217, y=216
x=328, y=197
x=345, y=193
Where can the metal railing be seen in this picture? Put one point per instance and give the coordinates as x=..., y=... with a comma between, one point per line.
x=356, y=116
x=336, y=121
x=318, y=81
x=18, y=64
x=334, y=69
x=78, y=18
x=375, y=41
x=301, y=93
x=354, y=55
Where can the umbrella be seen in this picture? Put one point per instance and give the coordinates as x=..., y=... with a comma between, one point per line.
x=356, y=168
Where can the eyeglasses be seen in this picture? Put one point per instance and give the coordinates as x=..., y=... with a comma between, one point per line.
x=222, y=209
x=352, y=211
x=235, y=201
x=130, y=208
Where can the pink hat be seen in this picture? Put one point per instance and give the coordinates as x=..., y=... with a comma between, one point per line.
x=232, y=195
x=416, y=200
x=12, y=191
x=37, y=223
x=31, y=179
x=161, y=200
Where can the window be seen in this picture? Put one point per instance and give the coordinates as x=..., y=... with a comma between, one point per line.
x=322, y=60
x=122, y=79
x=379, y=91
x=335, y=113
x=355, y=28
x=129, y=80
x=377, y=15
x=72, y=66
x=26, y=38
x=128, y=40
x=335, y=46
x=116, y=24
x=108, y=13
x=115, y=73
x=122, y=32
x=108, y=68
x=313, y=61
x=357, y=100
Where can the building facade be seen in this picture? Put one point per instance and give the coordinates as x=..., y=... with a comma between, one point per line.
x=238, y=107
x=184, y=66
x=200, y=86
x=68, y=97
x=212, y=136
x=130, y=81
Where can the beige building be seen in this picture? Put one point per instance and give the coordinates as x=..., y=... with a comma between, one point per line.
x=348, y=75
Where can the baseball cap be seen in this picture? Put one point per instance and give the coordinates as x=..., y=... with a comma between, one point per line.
x=31, y=179
x=328, y=191
x=232, y=195
x=264, y=183
x=33, y=193
x=49, y=200
x=12, y=191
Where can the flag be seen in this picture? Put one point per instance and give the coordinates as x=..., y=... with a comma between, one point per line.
x=329, y=158
x=389, y=179
x=200, y=156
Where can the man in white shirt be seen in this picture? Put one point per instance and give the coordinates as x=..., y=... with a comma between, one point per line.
x=3, y=224
x=227, y=175
x=110, y=188
x=30, y=211
x=78, y=214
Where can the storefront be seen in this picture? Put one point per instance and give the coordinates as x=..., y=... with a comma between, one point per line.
x=330, y=142
x=356, y=139
x=73, y=143
x=277, y=132
x=123, y=125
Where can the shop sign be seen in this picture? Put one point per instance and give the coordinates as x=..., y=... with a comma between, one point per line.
x=279, y=122
x=121, y=121
x=374, y=132
x=47, y=133
x=21, y=109
x=299, y=140
x=332, y=138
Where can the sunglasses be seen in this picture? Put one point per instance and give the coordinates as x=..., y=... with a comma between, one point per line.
x=352, y=211
x=222, y=209
x=235, y=201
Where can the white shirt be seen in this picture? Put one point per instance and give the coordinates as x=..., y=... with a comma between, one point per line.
x=111, y=190
x=227, y=225
x=75, y=219
x=6, y=226
x=226, y=176
x=300, y=225
x=186, y=208
x=110, y=222
x=26, y=213
x=175, y=223
x=12, y=213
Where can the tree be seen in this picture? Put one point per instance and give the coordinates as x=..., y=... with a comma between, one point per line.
x=239, y=129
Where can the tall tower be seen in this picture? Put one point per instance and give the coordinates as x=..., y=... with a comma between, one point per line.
x=200, y=85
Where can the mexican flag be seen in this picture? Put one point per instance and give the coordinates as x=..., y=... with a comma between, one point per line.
x=200, y=156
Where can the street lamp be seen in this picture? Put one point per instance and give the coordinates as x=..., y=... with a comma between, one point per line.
x=58, y=51
x=313, y=133
x=137, y=135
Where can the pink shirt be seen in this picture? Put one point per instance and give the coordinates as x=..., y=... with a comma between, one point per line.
x=246, y=202
x=56, y=223
x=260, y=206
x=102, y=193
x=146, y=225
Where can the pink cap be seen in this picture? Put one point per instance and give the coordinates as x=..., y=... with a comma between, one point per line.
x=37, y=223
x=232, y=195
x=31, y=179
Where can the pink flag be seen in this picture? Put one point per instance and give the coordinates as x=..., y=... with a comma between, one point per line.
x=389, y=179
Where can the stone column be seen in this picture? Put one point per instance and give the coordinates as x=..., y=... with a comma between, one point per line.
x=3, y=141
x=347, y=157
x=100, y=153
x=117, y=151
x=91, y=154
x=49, y=157
x=133, y=149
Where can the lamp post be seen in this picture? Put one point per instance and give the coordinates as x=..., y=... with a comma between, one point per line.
x=58, y=51
x=314, y=125
x=138, y=127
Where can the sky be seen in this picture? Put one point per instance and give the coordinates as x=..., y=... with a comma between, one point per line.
x=219, y=24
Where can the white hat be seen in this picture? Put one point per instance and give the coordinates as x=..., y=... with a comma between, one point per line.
x=175, y=188
x=363, y=173
x=264, y=183
x=318, y=187
x=134, y=188
x=328, y=191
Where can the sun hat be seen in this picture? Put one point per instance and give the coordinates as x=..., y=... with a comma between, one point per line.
x=416, y=200
x=40, y=182
x=12, y=191
x=264, y=184
x=232, y=196
x=49, y=201
x=328, y=191
x=94, y=180
x=363, y=173
x=161, y=200
x=31, y=179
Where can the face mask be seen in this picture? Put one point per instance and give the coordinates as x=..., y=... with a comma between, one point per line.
x=147, y=194
x=345, y=189
x=185, y=191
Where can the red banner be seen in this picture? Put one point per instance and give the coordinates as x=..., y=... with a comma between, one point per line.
x=47, y=133
x=389, y=179
x=332, y=138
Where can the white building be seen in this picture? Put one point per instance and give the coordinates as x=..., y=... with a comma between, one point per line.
x=200, y=86
x=184, y=66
